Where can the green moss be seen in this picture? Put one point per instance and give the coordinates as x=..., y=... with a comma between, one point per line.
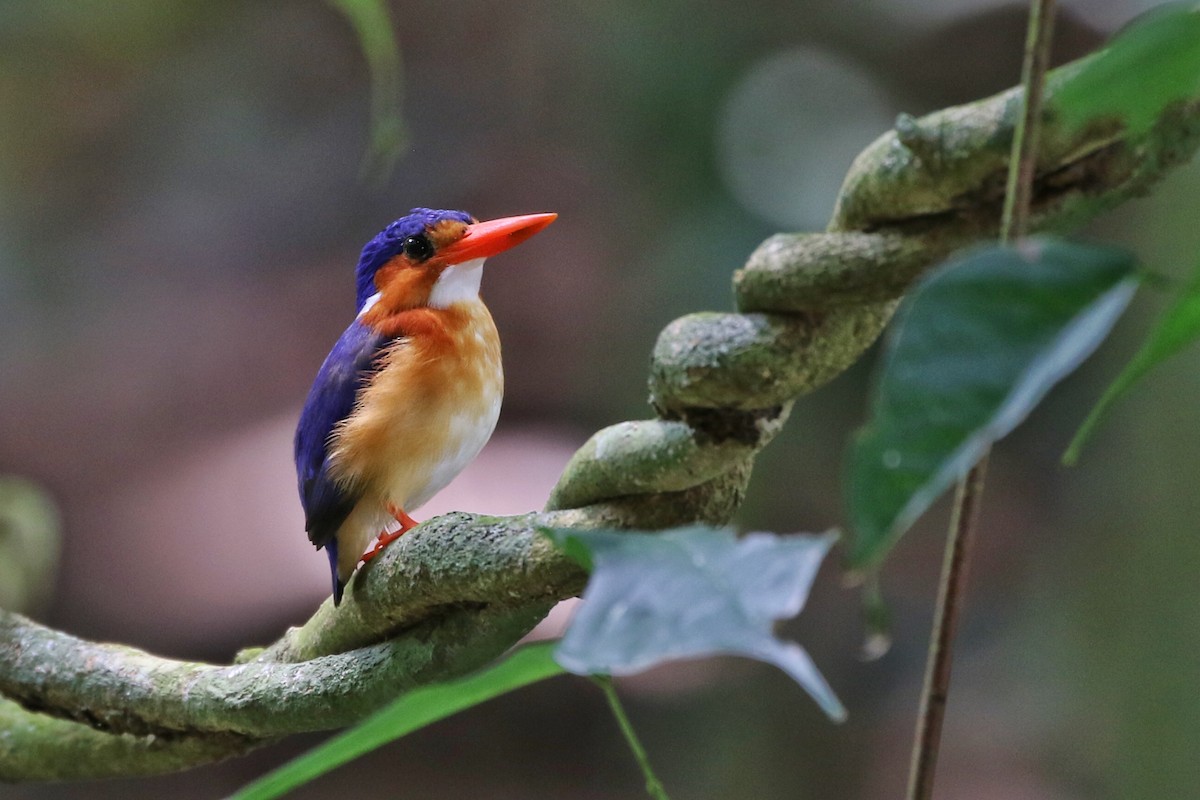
x=752, y=361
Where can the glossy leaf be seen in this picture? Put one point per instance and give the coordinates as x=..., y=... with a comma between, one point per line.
x=976, y=347
x=1153, y=63
x=688, y=593
x=408, y=713
x=1178, y=327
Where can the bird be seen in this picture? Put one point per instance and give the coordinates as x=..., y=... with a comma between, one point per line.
x=411, y=391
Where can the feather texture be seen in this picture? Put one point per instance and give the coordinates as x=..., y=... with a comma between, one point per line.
x=346, y=370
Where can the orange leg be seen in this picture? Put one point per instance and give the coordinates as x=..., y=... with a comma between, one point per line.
x=407, y=523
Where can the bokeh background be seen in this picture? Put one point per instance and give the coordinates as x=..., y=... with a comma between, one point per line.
x=181, y=208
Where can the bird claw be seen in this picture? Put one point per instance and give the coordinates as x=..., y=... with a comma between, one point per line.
x=384, y=540
x=407, y=523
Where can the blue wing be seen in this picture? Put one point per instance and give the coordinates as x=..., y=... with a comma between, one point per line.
x=348, y=367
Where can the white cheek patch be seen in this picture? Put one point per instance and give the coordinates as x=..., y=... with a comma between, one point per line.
x=457, y=284
x=368, y=304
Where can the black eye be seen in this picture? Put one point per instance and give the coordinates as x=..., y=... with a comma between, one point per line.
x=417, y=248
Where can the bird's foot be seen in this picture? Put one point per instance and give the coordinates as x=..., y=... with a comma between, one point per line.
x=385, y=538
x=407, y=523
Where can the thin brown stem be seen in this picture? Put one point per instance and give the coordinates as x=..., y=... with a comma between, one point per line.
x=1018, y=196
x=952, y=586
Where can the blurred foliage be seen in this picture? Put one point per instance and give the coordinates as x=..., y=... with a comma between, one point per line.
x=689, y=593
x=1152, y=64
x=1178, y=327
x=976, y=346
x=373, y=26
x=29, y=545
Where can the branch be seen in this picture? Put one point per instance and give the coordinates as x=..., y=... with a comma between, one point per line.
x=444, y=603
x=460, y=589
x=123, y=690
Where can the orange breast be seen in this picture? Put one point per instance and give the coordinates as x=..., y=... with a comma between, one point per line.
x=428, y=411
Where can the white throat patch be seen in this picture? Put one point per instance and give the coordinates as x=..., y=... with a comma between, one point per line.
x=457, y=284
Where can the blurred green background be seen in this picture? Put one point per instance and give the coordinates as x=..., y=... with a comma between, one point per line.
x=182, y=208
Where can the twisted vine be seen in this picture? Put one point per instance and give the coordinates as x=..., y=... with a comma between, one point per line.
x=460, y=589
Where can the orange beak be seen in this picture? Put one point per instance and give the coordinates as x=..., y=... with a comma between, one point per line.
x=484, y=239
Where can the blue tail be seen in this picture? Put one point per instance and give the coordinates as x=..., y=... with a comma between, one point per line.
x=338, y=587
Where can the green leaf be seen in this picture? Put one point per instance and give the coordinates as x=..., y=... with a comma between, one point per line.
x=1153, y=63
x=373, y=26
x=978, y=344
x=692, y=592
x=1176, y=328
x=30, y=544
x=407, y=714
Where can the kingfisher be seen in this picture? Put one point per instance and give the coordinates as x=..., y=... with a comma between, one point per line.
x=410, y=393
